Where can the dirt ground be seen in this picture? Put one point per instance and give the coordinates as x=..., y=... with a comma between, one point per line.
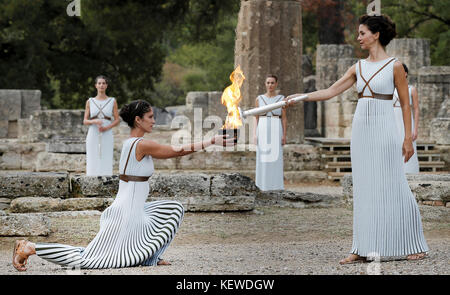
x=265, y=241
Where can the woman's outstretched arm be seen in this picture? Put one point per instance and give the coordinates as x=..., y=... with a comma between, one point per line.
x=160, y=151
x=344, y=83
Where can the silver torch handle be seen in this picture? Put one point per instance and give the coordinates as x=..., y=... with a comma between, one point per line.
x=270, y=107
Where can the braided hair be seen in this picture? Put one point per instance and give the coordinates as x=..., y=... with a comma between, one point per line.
x=380, y=23
x=135, y=108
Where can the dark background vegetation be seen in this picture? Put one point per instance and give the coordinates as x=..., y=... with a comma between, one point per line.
x=159, y=50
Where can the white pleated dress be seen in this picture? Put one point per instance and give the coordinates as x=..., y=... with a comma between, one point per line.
x=132, y=232
x=99, y=145
x=386, y=217
x=269, y=151
x=412, y=166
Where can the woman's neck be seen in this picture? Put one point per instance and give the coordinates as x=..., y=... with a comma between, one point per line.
x=137, y=132
x=271, y=94
x=377, y=53
x=101, y=95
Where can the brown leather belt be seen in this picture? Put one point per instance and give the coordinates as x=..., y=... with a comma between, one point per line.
x=377, y=96
x=127, y=178
x=270, y=116
x=106, y=117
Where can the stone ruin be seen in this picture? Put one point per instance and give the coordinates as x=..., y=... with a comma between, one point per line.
x=42, y=152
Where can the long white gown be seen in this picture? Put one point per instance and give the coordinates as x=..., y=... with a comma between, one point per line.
x=412, y=166
x=132, y=232
x=386, y=217
x=269, y=151
x=99, y=145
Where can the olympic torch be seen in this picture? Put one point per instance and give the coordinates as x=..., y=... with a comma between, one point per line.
x=270, y=107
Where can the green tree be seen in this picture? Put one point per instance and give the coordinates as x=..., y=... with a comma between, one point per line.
x=41, y=47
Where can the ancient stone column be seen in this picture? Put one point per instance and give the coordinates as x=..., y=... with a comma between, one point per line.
x=16, y=106
x=269, y=41
x=434, y=89
x=334, y=116
x=415, y=53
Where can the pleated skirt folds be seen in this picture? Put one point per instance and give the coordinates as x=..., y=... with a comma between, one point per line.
x=386, y=219
x=132, y=232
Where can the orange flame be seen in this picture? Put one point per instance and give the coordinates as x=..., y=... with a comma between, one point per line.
x=231, y=97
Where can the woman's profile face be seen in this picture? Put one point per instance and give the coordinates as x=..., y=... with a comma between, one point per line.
x=101, y=85
x=271, y=84
x=147, y=121
x=366, y=38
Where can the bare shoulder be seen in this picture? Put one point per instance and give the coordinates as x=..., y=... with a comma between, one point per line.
x=148, y=144
x=352, y=69
x=398, y=66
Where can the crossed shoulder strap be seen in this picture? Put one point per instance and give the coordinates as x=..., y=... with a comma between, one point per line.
x=129, y=153
x=374, y=94
x=101, y=109
x=262, y=97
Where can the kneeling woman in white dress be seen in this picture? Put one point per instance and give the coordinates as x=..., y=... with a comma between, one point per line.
x=101, y=115
x=132, y=232
x=270, y=136
x=386, y=217
x=412, y=166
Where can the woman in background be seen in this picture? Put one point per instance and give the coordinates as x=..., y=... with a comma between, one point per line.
x=270, y=136
x=132, y=231
x=101, y=114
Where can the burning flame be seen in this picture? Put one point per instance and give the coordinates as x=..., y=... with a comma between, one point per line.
x=231, y=97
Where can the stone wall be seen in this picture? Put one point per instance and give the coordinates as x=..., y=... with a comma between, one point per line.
x=16, y=105
x=433, y=88
x=269, y=41
x=440, y=132
x=414, y=52
x=26, y=192
x=334, y=116
x=428, y=189
x=54, y=140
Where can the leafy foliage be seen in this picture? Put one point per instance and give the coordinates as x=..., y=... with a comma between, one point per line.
x=41, y=47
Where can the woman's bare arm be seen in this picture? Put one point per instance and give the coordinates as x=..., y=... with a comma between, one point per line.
x=344, y=83
x=116, y=118
x=87, y=115
x=161, y=151
x=401, y=84
x=284, y=124
x=415, y=101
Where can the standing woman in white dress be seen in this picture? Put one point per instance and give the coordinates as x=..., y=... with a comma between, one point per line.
x=386, y=217
x=412, y=166
x=101, y=114
x=132, y=232
x=270, y=136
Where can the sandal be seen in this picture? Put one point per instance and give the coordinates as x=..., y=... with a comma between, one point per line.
x=18, y=251
x=417, y=256
x=163, y=262
x=348, y=260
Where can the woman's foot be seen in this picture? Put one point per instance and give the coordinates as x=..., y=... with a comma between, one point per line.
x=163, y=262
x=353, y=258
x=22, y=250
x=417, y=256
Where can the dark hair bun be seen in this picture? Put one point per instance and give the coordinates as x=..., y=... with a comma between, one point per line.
x=135, y=108
x=380, y=23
